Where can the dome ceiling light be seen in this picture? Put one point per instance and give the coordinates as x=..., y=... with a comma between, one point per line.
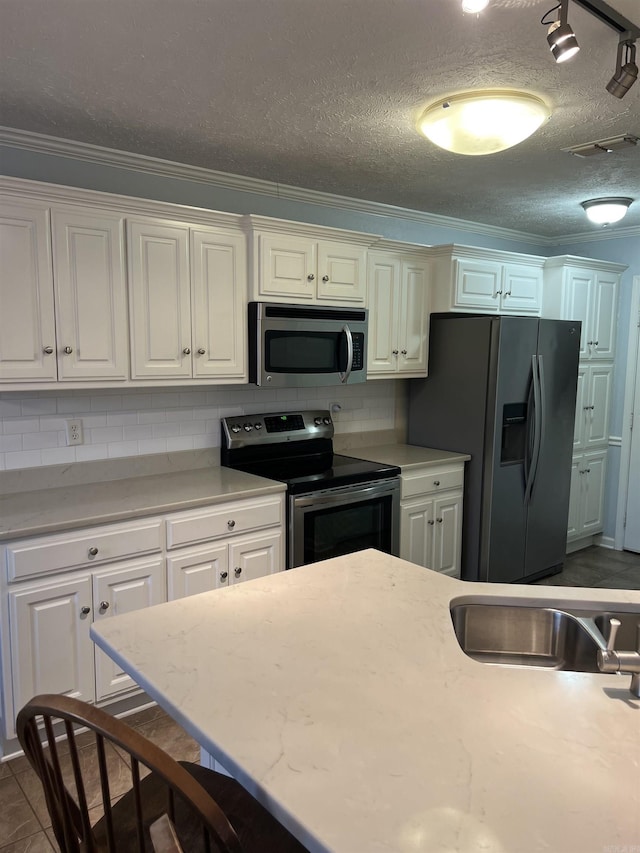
x=606, y=211
x=474, y=7
x=484, y=121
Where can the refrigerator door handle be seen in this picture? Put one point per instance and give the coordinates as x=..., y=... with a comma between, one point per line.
x=540, y=428
x=537, y=430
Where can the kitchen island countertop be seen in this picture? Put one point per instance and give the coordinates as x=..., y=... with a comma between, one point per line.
x=338, y=695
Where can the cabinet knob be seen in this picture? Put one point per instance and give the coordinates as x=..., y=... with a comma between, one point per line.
x=231, y=524
x=68, y=350
x=93, y=551
x=237, y=571
x=498, y=293
x=589, y=343
x=85, y=611
x=403, y=351
x=201, y=351
x=430, y=521
x=436, y=482
x=439, y=520
x=47, y=350
x=587, y=470
x=395, y=352
x=187, y=350
x=507, y=293
x=325, y=278
x=595, y=343
x=311, y=277
x=104, y=605
x=224, y=576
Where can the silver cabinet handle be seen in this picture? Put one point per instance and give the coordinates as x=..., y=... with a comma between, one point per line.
x=201, y=351
x=325, y=278
x=85, y=611
x=224, y=576
x=439, y=520
x=430, y=521
x=104, y=605
x=587, y=470
x=403, y=351
x=93, y=551
x=436, y=482
x=68, y=350
x=394, y=352
x=47, y=350
x=231, y=524
x=237, y=571
x=311, y=277
x=595, y=343
x=498, y=293
x=507, y=293
x=187, y=351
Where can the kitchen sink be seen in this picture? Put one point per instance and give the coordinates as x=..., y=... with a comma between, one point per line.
x=514, y=635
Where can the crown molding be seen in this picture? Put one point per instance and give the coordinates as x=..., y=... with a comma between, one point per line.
x=100, y=155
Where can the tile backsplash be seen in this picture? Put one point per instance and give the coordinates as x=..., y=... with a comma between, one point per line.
x=136, y=422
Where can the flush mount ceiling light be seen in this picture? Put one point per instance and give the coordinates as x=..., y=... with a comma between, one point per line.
x=484, y=121
x=473, y=7
x=627, y=73
x=606, y=211
x=562, y=39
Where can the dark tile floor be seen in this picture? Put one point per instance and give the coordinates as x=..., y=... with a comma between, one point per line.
x=24, y=823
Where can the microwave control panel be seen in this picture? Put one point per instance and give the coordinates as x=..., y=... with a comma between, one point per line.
x=358, y=351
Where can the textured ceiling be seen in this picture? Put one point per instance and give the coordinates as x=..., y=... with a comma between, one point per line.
x=325, y=95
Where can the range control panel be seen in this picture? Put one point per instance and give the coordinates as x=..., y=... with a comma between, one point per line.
x=242, y=430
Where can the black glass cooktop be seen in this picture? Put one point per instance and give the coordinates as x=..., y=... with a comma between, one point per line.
x=319, y=471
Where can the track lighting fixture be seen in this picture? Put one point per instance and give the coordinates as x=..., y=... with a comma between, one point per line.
x=562, y=39
x=606, y=211
x=627, y=73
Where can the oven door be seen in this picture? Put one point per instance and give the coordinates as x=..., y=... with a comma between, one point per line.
x=334, y=522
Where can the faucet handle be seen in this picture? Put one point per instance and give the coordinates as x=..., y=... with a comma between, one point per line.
x=614, y=624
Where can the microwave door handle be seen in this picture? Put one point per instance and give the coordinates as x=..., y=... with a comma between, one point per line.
x=344, y=376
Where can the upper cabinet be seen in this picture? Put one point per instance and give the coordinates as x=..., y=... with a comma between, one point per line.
x=398, y=300
x=585, y=290
x=293, y=262
x=62, y=294
x=468, y=278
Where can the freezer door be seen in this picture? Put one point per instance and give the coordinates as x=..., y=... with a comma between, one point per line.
x=548, y=510
x=502, y=555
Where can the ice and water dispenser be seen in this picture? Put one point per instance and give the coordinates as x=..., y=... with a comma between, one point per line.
x=514, y=433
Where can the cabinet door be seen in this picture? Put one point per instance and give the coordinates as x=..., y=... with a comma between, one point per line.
x=197, y=570
x=160, y=300
x=117, y=591
x=342, y=273
x=219, y=298
x=599, y=401
x=577, y=295
x=384, y=293
x=575, y=499
x=605, y=301
x=582, y=411
x=521, y=289
x=255, y=556
x=27, y=329
x=477, y=284
x=416, y=533
x=287, y=267
x=51, y=651
x=413, y=321
x=91, y=308
x=593, y=466
x=447, y=534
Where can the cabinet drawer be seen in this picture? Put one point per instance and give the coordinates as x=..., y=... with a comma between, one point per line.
x=430, y=481
x=46, y=554
x=224, y=520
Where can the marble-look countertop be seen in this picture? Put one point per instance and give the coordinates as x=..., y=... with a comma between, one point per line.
x=74, y=506
x=407, y=456
x=338, y=695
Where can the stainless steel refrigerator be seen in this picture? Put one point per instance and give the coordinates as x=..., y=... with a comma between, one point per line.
x=504, y=390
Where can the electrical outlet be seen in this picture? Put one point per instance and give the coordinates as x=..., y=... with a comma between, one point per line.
x=74, y=432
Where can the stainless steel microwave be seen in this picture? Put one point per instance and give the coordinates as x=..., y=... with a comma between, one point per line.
x=295, y=346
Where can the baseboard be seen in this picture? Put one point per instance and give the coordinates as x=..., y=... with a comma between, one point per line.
x=606, y=542
x=579, y=544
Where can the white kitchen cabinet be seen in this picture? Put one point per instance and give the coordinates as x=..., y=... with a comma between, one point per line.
x=466, y=278
x=398, y=300
x=587, y=495
x=187, y=294
x=593, y=402
x=431, y=517
x=62, y=294
x=194, y=570
x=255, y=556
x=586, y=290
x=292, y=262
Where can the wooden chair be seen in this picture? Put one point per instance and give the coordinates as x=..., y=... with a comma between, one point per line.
x=208, y=811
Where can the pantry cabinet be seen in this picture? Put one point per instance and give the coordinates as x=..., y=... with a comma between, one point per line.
x=586, y=499
x=398, y=299
x=593, y=401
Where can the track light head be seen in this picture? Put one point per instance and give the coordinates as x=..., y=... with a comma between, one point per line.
x=626, y=72
x=562, y=41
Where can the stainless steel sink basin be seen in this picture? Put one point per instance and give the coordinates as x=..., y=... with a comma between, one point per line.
x=528, y=636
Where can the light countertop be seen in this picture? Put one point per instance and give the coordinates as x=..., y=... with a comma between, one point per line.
x=407, y=456
x=73, y=506
x=338, y=695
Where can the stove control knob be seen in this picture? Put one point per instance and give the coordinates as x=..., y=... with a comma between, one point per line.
x=248, y=427
x=257, y=425
x=326, y=421
x=317, y=421
x=236, y=428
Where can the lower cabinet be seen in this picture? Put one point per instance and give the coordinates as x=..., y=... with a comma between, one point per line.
x=431, y=518
x=586, y=498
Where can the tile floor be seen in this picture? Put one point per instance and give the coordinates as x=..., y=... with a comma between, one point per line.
x=24, y=823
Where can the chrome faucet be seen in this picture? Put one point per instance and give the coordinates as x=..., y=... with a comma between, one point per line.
x=625, y=662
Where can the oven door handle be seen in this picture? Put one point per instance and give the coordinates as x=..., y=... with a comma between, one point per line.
x=347, y=332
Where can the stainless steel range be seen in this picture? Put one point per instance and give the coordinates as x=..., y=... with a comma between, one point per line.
x=335, y=504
